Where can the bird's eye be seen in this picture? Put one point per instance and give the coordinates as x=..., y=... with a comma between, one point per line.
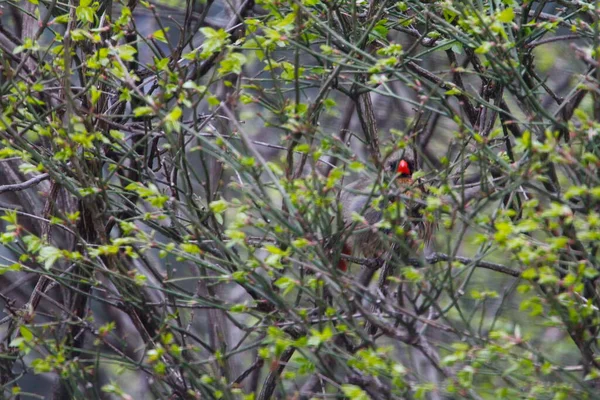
x=404, y=168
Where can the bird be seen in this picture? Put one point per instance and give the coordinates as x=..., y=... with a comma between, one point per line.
x=357, y=197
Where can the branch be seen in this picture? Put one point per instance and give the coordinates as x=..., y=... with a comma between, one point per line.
x=366, y=116
x=271, y=381
x=551, y=39
x=24, y=185
x=376, y=263
x=463, y=99
x=256, y=365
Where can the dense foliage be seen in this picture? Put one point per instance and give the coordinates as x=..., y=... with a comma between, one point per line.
x=170, y=179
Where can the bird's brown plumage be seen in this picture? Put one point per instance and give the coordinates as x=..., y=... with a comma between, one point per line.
x=357, y=197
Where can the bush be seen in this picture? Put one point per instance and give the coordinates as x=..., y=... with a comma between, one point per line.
x=172, y=175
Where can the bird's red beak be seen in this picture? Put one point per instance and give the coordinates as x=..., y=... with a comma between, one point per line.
x=403, y=168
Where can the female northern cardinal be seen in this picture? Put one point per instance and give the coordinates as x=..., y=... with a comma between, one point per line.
x=357, y=197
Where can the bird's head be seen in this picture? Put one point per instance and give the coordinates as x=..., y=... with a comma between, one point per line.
x=402, y=164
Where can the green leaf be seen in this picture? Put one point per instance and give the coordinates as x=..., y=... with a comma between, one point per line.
x=193, y=86
x=529, y=274
x=174, y=115
x=302, y=148
x=412, y=274
x=10, y=268
x=275, y=168
x=160, y=35
x=17, y=342
x=317, y=337
x=452, y=92
x=356, y=166
x=232, y=63
x=286, y=284
x=354, y=392
x=276, y=250
x=26, y=333
x=213, y=101
x=84, y=13
x=61, y=19
x=126, y=52
x=95, y=94
x=214, y=41
x=483, y=48
x=142, y=111
x=218, y=206
x=300, y=243
x=50, y=255
x=507, y=15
